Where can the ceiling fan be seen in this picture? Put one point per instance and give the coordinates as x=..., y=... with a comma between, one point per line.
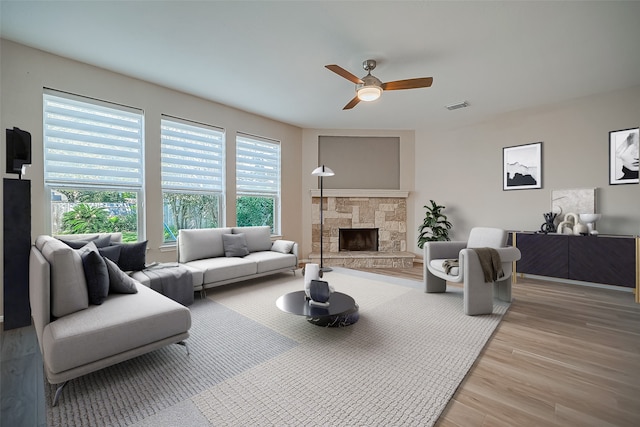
x=369, y=88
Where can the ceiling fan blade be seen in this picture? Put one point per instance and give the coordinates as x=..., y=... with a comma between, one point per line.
x=408, y=84
x=344, y=73
x=352, y=103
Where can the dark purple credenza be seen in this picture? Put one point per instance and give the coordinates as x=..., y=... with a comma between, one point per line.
x=609, y=260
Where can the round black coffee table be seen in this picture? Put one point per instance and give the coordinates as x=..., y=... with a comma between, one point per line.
x=342, y=309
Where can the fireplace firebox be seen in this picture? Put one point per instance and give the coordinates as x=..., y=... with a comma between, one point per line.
x=358, y=239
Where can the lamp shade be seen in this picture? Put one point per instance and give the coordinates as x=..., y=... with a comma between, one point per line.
x=369, y=93
x=322, y=171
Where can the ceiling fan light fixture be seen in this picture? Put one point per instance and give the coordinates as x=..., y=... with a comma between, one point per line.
x=369, y=93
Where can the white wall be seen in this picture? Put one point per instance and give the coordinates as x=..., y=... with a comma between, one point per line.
x=25, y=71
x=462, y=169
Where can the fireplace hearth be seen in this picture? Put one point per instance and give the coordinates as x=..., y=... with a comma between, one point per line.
x=358, y=239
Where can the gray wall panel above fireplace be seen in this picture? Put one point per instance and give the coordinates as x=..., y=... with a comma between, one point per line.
x=361, y=162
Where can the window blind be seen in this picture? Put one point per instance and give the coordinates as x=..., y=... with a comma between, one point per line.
x=257, y=166
x=91, y=143
x=192, y=157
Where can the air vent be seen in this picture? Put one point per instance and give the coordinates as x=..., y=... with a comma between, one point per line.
x=457, y=105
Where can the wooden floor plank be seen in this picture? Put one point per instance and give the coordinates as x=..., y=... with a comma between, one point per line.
x=564, y=355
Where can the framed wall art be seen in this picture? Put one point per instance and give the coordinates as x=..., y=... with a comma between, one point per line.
x=522, y=167
x=623, y=156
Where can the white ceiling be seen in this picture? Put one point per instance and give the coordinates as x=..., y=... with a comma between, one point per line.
x=268, y=57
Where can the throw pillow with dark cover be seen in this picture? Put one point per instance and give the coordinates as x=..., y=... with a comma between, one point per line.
x=103, y=241
x=96, y=275
x=133, y=256
x=235, y=245
x=112, y=252
x=119, y=281
x=99, y=241
x=76, y=243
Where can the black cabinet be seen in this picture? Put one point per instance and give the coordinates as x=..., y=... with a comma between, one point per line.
x=17, y=244
x=609, y=260
x=543, y=255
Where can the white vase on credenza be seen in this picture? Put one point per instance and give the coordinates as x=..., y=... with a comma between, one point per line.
x=590, y=219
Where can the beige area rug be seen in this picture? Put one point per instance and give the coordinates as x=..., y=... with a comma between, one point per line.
x=398, y=365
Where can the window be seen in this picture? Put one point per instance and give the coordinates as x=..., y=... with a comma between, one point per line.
x=192, y=175
x=257, y=182
x=93, y=165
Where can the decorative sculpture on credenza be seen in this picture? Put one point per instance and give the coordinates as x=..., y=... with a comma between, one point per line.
x=549, y=225
x=572, y=224
x=590, y=219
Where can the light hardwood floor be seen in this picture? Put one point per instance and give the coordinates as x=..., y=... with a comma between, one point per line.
x=564, y=355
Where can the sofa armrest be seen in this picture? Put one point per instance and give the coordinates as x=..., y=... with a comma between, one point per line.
x=442, y=250
x=39, y=292
x=509, y=254
x=471, y=263
x=294, y=250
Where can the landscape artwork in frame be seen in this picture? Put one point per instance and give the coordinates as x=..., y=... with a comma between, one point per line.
x=623, y=156
x=522, y=167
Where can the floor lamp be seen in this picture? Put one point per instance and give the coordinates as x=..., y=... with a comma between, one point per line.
x=322, y=171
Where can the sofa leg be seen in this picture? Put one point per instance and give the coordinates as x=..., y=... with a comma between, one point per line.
x=477, y=297
x=203, y=293
x=433, y=283
x=186, y=346
x=502, y=289
x=58, y=392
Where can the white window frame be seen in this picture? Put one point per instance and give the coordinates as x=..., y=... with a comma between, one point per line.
x=116, y=129
x=259, y=173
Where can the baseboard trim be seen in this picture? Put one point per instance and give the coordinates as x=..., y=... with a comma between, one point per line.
x=577, y=282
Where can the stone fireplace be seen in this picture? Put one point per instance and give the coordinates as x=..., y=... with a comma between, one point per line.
x=360, y=212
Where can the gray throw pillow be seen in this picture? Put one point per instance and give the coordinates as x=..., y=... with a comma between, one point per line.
x=282, y=246
x=97, y=276
x=235, y=245
x=133, y=256
x=76, y=243
x=112, y=252
x=119, y=281
x=100, y=242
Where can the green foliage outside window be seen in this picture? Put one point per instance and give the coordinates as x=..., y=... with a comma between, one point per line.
x=184, y=211
x=84, y=218
x=96, y=212
x=252, y=211
x=83, y=196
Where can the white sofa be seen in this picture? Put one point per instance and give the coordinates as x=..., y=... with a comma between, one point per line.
x=76, y=337
x=209, y=254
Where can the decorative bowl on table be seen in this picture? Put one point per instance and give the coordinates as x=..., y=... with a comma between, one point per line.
x=590, y=219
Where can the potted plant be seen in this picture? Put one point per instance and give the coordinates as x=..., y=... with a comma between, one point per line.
x=435, y=226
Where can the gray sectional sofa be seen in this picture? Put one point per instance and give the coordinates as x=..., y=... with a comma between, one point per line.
x=218, y=256
x=77, y=337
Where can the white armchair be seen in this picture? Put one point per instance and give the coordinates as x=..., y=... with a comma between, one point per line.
x=478, y=295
